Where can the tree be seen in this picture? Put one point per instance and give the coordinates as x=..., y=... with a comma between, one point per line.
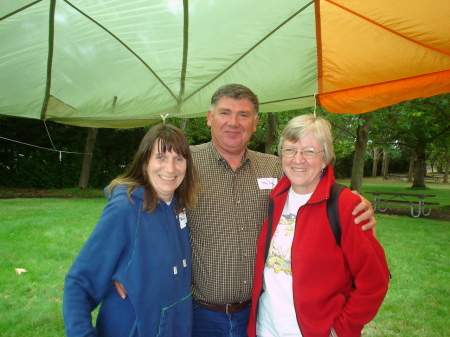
x=447, y=167
x=270, y=126
x=345, y=128
x=375, y=157
x=416, y=124
x=385, y=168
x=440, y=153
x=184, y=124
x=362, y=136
x=412, y=165
x=83, y=182
x=272, y=132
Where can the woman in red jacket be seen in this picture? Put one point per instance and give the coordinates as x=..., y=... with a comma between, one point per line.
x=305, y=284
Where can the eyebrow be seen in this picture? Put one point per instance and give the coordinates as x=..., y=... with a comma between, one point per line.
x=230, y=110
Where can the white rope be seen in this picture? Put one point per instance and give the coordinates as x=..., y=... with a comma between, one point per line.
x=44, y=148
x=164, y=118
x=48, y=133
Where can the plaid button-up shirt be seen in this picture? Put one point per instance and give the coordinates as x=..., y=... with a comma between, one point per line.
x=225, y=225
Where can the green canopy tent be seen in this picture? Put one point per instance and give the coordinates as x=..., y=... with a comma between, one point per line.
x=116, y=63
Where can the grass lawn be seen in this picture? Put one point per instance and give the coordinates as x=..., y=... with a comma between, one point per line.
x=44, y=235
x=417, y=303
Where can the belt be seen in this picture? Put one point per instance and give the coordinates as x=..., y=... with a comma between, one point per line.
x=230, y=308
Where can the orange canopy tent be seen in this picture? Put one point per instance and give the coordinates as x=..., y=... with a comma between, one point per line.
x=121, y=63
x=402, y=52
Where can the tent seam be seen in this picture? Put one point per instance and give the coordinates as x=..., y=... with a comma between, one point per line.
x=185, y=55
x=125, y=45
x=387, y=28
x=249, y=50
x=286, y=99
x=319, y=47
x=20, y=9
x=51, y=36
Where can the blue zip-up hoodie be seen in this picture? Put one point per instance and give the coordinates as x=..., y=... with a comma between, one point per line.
x=149, y=253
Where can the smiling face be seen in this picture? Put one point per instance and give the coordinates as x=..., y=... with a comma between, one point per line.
x=232, y=124
x=304, y=174
x=166, y=171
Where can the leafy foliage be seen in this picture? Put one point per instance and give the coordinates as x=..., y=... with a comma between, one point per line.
x=417, y=124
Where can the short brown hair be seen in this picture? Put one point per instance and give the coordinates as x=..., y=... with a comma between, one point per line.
x=236, y=91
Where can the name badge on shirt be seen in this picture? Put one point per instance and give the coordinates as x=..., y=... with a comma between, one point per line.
x=267, y=183
x=183, y=219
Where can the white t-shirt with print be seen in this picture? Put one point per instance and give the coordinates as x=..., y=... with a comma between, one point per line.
x=276, y=314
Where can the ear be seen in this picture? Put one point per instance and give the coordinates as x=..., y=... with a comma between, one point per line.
x=209, y=115
x=255, y=124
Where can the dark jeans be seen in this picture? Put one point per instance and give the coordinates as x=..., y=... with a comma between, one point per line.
x=212, y=323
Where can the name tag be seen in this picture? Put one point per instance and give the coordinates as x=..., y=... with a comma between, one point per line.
x=183, y=219
x=267, y=183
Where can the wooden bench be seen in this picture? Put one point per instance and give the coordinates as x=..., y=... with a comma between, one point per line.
x=423, y=207
x=397, y=176
x=433, y=179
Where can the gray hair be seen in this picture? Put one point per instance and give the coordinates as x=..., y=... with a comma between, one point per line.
x=300, y=126
x=236, y=91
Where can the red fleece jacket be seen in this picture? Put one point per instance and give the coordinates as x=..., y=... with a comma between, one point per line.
x=341, y=287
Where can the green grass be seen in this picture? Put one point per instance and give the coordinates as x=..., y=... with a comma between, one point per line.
x=43, y=236
x=417, y=303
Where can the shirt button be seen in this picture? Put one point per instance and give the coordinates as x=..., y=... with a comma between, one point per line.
x=245, y=282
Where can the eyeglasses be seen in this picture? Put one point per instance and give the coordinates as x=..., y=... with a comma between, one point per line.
x=306, y=152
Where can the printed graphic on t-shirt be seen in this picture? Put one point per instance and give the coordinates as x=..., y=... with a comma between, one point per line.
x=279, y=257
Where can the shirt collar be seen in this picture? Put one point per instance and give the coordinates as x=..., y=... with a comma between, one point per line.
x=219, y=157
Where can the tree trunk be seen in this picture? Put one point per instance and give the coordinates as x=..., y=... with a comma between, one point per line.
x=362, y=136
x=420, y=167
x=431, y=167
x=272, y=132
x=376, y=158
x=385, y=167
x=412, y=162
x=86, y=168
x=184, y=124
x=447, y=168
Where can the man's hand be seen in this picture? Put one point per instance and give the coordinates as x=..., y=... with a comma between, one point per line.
x=120, y=289
x=368, y=214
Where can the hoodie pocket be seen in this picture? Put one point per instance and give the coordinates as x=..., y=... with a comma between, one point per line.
x=176, y=319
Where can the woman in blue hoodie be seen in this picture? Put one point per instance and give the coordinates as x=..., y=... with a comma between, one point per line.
x=142, y=242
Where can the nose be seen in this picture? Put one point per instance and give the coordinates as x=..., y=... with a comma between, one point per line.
x=299, y=157
x=170, y=166
x=233, y=120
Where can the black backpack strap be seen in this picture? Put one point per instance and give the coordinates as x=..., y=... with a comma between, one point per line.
x=269, y=230
x=333, y=212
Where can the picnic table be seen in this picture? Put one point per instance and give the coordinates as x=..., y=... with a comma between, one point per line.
x=415, y=201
